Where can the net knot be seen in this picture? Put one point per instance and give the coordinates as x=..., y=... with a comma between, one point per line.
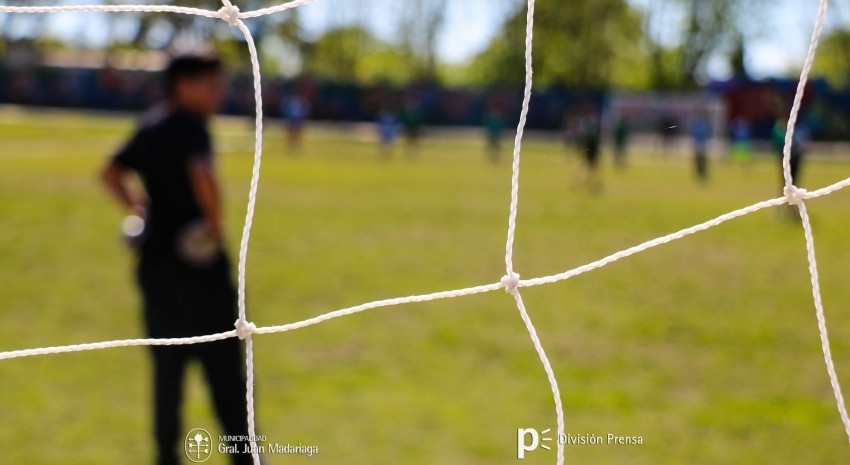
x=230, y=14
x=244, y=328
x=794, y=195
x=511, y=282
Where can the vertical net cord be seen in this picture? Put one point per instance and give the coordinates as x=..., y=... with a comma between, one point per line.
x=796, y=196
x=523, y=115
x=798, y=95
x=511, y=279
x=242, y=322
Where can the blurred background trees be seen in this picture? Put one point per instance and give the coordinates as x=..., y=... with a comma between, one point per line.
x=833, y=59
x=576, y=46
x=709, y=30
x=631, y=44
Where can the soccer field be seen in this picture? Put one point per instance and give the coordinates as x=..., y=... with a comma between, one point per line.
x=706, y=348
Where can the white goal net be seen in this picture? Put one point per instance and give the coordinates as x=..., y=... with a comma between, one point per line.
x=511, y=281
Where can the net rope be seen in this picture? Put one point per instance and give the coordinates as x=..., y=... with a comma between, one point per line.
x=510, y=282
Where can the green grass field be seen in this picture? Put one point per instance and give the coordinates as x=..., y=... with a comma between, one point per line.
x=707, y=347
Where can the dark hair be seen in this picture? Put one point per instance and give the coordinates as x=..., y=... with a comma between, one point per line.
x=190, y=66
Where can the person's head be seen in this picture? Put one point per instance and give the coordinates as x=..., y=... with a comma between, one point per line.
x=195, y=83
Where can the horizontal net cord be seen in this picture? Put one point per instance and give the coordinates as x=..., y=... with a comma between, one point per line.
x=379, y=304
x=432, y=296
x=117, y=343
x=111, y=9
x=258, y=330
x=680, y=234
x=153, y=9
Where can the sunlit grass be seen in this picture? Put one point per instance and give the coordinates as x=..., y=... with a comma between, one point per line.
x=707, y=347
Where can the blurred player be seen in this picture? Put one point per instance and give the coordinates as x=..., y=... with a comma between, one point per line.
x=588, y=132
x=182, y=270
x=295, y=110
x=387, y=131
x=411, y=121
x=740, y=136
x=701, y=135
x=494, y=126
x=668, y=129
x=798, y=148
x=622, y=131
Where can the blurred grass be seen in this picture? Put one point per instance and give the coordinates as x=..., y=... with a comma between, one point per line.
x=707, y=347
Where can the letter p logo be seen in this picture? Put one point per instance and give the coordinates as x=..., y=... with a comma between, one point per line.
x=527, y=440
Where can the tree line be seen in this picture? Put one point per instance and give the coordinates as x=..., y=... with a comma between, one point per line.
x=652, y=44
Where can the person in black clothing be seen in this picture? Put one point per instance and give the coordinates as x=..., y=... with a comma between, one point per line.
x=182, y=270
x=589, y=137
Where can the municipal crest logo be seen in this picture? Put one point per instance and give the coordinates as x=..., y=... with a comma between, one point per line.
x=198, y=445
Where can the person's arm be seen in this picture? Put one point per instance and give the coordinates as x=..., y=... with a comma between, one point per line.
x=114, y=177
x=205, y=187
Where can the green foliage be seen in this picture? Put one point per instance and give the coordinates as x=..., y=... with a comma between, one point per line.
x=833, y=58
x=352, y=54
x=589, y=44
x=337, y=53
x=419, y=27
x=665, y=68
x=709, y=29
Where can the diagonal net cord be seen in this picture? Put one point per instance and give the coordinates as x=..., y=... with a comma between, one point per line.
x=795, y=197
x=510, y=282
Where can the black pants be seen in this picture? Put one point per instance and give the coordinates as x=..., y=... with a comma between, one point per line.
x=222, y=366
x=591, y=151
x=701, y=163
x=795, y=161
x=180, y=301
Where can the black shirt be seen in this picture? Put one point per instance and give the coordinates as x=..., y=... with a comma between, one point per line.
x=160, y=152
